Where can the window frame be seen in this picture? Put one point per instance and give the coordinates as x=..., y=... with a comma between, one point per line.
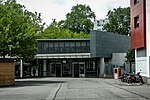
x=136, y=21
x=135, y=2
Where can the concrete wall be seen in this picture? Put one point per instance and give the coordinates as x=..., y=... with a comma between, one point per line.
x=118, y=58
x=101, y=67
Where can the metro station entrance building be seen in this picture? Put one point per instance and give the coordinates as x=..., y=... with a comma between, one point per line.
x=93, y=57
x=65, y=58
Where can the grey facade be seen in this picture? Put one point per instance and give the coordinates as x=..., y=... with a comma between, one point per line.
x=103, y=44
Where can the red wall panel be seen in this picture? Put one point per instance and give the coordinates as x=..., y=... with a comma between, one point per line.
x=138, y=38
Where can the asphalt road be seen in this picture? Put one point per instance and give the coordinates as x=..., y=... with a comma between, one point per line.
x=74, y=89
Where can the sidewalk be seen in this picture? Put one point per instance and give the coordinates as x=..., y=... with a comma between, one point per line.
x=141, y=90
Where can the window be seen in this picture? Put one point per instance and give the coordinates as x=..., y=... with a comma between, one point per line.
x=39, y=46
x=136, y=21
x=77, y=44
x=72, y=44
x=56, y=44
x=61, y=44
x=66, y=44
x=50, y=44
x=45, y=48
x=135, y=2
x=83, y=43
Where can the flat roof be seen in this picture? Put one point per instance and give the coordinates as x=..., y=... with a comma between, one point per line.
x=71, y=39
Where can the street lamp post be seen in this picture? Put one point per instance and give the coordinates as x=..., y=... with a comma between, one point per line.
x=10, y=46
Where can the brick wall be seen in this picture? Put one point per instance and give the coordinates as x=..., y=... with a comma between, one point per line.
x=7, y=73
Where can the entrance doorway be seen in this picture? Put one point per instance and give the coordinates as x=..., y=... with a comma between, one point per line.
x=79, y=69
x=55, y=69
x=76, y=70
x=58, y=70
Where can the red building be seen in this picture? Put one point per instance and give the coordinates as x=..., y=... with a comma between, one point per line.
x=140, y=34
x=138, y=25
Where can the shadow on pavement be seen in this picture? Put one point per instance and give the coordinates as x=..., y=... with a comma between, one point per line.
x=35, y=83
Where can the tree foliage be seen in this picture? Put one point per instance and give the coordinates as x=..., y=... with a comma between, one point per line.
x=119, y=21
x=19, y=28
x=130, y=55
x=54, y=31
x=79, y=19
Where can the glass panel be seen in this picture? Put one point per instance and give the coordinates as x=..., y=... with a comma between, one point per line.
x=87, y=43
x=45, y=47
x=67, y=70
x=61, y=44
x=81, y=68
x=76, y=70
x=56, y=44
x=77, y=44
x=72, y=44
x=83, y=43
x=66, y=44
x=53, y=69
x=50, y=44
x=57, y=50
x=39, y=46
x=91, y=69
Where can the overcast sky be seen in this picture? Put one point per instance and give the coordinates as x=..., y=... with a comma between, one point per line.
x=57, y=9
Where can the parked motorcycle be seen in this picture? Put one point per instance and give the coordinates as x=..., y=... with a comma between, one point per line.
x=137, y=78
x=123, y=77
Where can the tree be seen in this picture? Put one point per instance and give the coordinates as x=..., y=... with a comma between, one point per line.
x=130, y=57
x=79, y=19
x=54, y=31
x=119, y=21
x=19, y=28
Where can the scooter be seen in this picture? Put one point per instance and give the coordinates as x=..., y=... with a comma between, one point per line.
x=123, y=77
x=137, y=78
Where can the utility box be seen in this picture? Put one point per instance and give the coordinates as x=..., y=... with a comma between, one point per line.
x=117, y=73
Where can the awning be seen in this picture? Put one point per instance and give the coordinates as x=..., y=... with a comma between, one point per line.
x=69, y=55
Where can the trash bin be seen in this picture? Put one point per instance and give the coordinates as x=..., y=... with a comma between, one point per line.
x=117, y=73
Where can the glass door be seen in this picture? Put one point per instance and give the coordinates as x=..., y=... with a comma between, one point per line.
x=55, y=69
x=76, y=70
x=79, y=69
x=58, y=70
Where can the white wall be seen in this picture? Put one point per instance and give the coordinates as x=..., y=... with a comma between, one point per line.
x=148, y=35
x=141, y=65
